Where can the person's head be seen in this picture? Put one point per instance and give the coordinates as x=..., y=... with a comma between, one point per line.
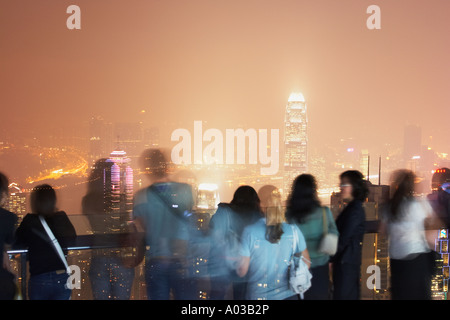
x=353, y=186
x=245, y=199
x=303, y=199
x=402, y=187
x=95, y=182
x=155, y=164
x=271, y=205
x=269, y=196
x=43, y=200
x=4, y=185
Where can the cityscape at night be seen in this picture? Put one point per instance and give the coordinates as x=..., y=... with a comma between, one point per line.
x=231, y=94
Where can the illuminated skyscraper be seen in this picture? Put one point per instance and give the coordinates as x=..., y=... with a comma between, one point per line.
x=121, y=187
x=295, y=140
x=17, y=201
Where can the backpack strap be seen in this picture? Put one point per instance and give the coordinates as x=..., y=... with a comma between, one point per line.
x=173, y=208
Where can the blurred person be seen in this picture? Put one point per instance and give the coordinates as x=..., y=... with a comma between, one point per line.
x=304, y=209
x=226, y=227
x=439, y=199
x=7, y=226
x=444, y=201
x=267, y=194
x=404, y=221
x=161, y=211
x=110, y=278
x=48, y=274
x=266, y=250
x=346, y=263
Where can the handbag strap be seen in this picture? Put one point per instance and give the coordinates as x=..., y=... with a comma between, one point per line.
x=54, y=241
x=294, y=246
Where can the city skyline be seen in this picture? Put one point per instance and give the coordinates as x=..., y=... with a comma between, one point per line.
x=204, y=67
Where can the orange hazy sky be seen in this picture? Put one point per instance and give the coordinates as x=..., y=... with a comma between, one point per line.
x=230, y=63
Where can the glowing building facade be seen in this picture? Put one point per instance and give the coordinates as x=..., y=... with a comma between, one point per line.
x=121, y=186
x=17, y=201
x=439, y=282
x=295, y=140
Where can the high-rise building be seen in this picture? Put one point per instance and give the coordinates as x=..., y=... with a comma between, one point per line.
x=441, y=277
x=17, y=201
x=364, y=163
x=295, y=140
x=412, y=143
x=121, y=187
x=129, y=137
x=96, y=138
x=440, y=203
x=375, y=245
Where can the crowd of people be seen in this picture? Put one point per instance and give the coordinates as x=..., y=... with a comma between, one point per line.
x=251, y=241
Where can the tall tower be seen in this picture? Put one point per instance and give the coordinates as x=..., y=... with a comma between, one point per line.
x=295, y=140
x=121, y=193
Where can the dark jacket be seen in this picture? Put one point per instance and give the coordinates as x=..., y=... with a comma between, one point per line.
x=41, y=253
x=351, y=226
x=7, y=223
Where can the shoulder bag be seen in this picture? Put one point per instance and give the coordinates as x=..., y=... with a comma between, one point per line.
x=298, y=271
x=328, y=244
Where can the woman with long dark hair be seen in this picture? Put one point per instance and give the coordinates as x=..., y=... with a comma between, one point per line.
x=404, y=223
x=351, y=227
x=226, y=226
x=267, y=247
x=48, y=273
x=304, y=209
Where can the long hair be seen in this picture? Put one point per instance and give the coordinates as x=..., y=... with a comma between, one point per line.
x=303, y=199
x=359, y=185
x=402, y=186
x=273, y=209
x=246, y=203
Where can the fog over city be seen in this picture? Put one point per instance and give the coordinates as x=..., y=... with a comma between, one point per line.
x=137, y=71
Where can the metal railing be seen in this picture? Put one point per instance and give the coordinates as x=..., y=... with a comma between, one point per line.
x=85, y=242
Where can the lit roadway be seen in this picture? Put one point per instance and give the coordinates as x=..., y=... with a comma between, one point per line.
x=72, y=164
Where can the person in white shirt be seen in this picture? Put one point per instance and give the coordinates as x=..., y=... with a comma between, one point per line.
x=405, y=221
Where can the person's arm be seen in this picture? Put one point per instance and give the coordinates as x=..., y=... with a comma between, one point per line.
x=139, y=210
x=243, y=265
x=305, y=254
x=302, y=249
x=244, y=261
x=219, y=223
